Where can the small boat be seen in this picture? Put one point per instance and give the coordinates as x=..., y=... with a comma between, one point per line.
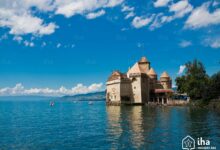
x=90, y=103
x=52, y=103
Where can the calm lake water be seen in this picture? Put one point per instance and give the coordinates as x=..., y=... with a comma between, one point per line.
x=34, y=125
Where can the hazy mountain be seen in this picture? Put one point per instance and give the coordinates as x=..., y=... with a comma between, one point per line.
x=97, y=96
x=24, y=98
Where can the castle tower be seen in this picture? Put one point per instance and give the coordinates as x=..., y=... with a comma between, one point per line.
x=118, y=88
x=139, y=83
x=166, y=80
x=153, y=78
x=144, y=64
x=139, y=86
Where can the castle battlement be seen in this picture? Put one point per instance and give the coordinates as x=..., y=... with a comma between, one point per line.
x=138, y=86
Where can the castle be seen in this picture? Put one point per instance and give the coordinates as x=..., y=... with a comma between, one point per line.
x=138, y=86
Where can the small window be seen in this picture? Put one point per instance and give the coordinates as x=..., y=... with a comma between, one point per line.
x=134, y=87
x=134, y=79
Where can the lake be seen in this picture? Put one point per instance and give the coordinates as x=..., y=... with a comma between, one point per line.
x=34, y=125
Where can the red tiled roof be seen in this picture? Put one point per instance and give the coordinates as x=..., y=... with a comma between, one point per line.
x=163, y=91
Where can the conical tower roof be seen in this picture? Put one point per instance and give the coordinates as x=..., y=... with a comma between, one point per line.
x=151, y=72
x=143, y=60
x=116, y=75
x=134, y=69
x=164, y=75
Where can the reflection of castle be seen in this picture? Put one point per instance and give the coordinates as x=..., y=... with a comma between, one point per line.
x=138, y=86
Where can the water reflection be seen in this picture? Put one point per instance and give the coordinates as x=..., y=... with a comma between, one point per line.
x=142, y=127
x=130, y=126
x=81, y=126
x=198, y=121
x=204, y=123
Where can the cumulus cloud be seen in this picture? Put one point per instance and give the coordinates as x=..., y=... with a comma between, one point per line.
x=180, y=8
x=175, y=11
x=94, y=15
x=18, y=17
x=202, y=17
x=113, y=3
x=185, y=43
x=139, y=22
x=19, y=90
x=21, y=19
x=70, y=8
x=161, y=3
x=181, y=69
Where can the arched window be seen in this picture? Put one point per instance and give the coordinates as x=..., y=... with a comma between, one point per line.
x=134, y=79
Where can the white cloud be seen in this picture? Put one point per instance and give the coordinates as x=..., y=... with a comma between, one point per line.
x=28, y=44
x=213, y=42
x=42, y=5
x=126, y=8
x=180, y=8
x=94, y=15
x=18, y=17
x=158, y=21
x=201, y=17
x=161, y=3
x=26, y=24
x=129, y=15
x=70, y=8
x=113, y=3
x=21, y=19
x=19, y=90
x=139, y=22
x=181, y=69
x=185, y=43
x=128, y=11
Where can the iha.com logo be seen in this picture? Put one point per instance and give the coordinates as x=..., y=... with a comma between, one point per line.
x=189, y=143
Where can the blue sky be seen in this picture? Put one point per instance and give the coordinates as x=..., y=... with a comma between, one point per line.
x=52, y=43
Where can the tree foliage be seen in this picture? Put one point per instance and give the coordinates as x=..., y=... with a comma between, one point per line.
x=214, y=86
x=195, y=82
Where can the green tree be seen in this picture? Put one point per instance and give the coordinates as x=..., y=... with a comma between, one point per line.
x=195, y=82
x=214, y=88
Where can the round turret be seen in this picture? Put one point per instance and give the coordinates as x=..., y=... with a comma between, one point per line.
x=166, y=80
x=144, y=64
x=117, y=75
x=143, y=60
x=152, y=74
x=164, y=76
